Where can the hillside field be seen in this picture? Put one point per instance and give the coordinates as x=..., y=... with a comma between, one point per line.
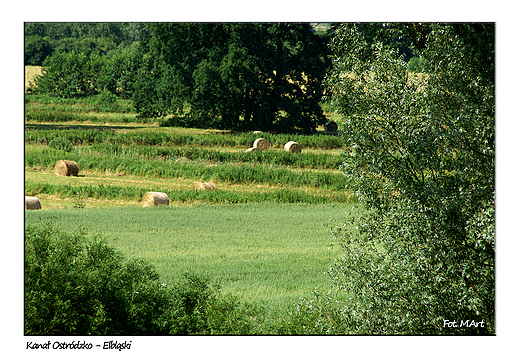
x=263, y=232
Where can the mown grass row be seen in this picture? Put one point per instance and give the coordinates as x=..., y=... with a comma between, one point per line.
x=218, y=196
x=164, y=138
x=276, y=158
x=160, y=168
x=62, y=116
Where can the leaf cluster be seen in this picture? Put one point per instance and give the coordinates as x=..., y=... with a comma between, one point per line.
x=42, y=40
x=80, y=75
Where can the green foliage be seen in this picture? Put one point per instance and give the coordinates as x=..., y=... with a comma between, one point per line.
x=120, y=72
x=422, y=162
x=317, y=314
x=81, y=287
x=71, y=75
x=416, y=64
x=106, y=98
x=42, y=40
x=79, y=75
x=200, y=308
x=78, y=286
x=234, y=76
x=36, y=50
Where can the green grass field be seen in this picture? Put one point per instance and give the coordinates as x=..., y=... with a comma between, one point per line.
x=264, y=252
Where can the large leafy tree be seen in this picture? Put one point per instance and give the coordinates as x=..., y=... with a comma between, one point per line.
x=422, y=159
x=236, y=76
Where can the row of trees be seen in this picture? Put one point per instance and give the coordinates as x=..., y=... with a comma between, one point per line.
x=42, y=40
x=241, y=76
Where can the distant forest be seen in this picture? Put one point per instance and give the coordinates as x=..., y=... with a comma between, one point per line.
x=44, y=39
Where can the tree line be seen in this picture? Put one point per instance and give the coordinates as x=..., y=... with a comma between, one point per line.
x=240, y=76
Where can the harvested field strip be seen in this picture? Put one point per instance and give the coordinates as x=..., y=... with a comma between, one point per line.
x=35, y=134
x=91, y=178
x=219, y=196
x=42, y=103
x=48, y=115
x=234, y=174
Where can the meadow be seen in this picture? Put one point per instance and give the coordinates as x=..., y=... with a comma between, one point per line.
x=267, y=253
x=263, y=233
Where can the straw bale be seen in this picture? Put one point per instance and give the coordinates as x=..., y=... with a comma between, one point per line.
x=66, y=168
x=32, y=203
x=261, y=143
x=251, y=150
x=330, y=126
x=153, y=198
x=205, y=186
x=292, y=147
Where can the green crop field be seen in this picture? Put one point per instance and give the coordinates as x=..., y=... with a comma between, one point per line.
x=264, y=252
x=263, y=232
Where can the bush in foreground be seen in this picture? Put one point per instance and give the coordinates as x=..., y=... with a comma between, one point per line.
x=80, y=286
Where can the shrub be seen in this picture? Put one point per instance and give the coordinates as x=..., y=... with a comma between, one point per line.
x=200, y=308
x=105, y=99
x=416, y=64
x=81, y=287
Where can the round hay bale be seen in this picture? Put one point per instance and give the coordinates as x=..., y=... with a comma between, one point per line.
x=330, y=126
x=153, y=198
x=257, y=132
x=32, y=203
x=292, y=147
x=252, y=149
x=66, y=168
x=205, y=186
x=261, y=143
